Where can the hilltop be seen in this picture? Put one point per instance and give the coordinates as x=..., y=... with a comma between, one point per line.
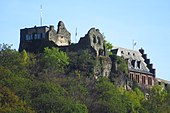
x=55, y=81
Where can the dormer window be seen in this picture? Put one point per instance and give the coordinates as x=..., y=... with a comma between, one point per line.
x=138, y=64
x=133, y=63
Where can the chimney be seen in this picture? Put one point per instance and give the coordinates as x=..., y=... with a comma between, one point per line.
x=141, y=51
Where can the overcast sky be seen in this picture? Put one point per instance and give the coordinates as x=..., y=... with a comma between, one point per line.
x=122, y=21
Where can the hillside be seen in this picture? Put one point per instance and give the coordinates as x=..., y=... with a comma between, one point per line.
x=59, y=82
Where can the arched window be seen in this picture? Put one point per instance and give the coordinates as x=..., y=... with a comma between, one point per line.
x=94, y=39
x=99, y=41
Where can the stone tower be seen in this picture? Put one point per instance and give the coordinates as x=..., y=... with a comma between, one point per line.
x=35, y=39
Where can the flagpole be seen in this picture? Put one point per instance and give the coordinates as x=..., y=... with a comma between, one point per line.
x=134, y=44
x=76, y=36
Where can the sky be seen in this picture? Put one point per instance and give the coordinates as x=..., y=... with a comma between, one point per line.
x=122, y=21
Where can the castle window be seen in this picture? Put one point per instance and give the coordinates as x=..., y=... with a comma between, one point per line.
x=133, y=54
x=43, y=35
x=106, y=73
x=122, y=52
x=101, y=52
x=94, y=39
x=35, y=36
x=128, y=53
x=99, y=41
x=159, y=83
x=39, y=36
x=27, y=37
x=31, y=37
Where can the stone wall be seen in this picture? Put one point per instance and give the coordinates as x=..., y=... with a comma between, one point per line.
x=61, y=37
x=37, y=38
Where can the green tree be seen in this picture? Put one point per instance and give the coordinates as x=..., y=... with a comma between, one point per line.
x=157, y=101
x=13, y=60
x=52, y=98
x=10, y=103
x=55, y=60
x=109, y=46
x=107, y=98
x=132, y=100
x=82, y=63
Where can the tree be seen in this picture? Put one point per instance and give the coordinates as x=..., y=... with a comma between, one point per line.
x=108, y=45
x=52, y=98
x=82, y=63
x=132, y=101
x=13, y=60
x=55, y=60
x=107, y=98
x=10, y=103
x=157, y=101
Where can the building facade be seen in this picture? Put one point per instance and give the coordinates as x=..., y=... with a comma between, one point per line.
x=139, y=66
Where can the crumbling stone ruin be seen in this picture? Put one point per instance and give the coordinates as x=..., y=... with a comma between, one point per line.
x=37, y=38
x=94, y=42
x=62, y=37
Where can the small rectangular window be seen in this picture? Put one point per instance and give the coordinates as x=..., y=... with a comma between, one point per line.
x=39, y=36
x=43, y=35
x=137, y=78
x=35, y=36
x=27, y=37
x=149, y=81
x=31, y=36
x=143, y=80
x=131, y=76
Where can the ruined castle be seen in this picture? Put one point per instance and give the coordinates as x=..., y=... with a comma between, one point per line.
x=140, y=68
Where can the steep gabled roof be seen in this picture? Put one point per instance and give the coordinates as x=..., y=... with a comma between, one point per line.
x=135, y=60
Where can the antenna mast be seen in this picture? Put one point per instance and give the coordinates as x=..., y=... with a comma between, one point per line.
x=41, y=19
x=76, y=36
x=134, y=44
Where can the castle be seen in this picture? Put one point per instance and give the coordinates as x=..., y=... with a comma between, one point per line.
x=140, y=69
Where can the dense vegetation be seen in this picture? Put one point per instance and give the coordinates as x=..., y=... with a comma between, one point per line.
x=56, y=82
